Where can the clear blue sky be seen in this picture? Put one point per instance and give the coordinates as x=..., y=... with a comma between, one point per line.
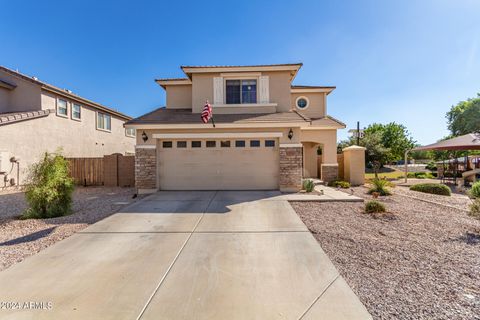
x=404, y=61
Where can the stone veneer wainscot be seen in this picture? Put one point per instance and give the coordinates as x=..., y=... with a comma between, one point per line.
x=145, y=168
x=291, y=167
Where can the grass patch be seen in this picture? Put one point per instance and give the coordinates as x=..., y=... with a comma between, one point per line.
x=393, y=175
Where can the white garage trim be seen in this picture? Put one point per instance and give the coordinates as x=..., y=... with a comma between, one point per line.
x=145, y=146
x=219, y=135
x=291, y=145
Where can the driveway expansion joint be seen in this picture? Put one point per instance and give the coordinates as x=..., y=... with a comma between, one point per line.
x=174, y=260
x=318, y=298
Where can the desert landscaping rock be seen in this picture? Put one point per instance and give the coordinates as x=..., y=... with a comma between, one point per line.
x=22, y=238
x=422, y=261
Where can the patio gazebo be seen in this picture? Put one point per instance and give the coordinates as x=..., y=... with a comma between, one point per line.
x=467, y=142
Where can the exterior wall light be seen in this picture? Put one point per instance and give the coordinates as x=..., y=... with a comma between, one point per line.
x=290, y=134
x=144, y=136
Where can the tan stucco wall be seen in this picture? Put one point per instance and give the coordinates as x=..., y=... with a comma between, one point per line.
x=310, y=160
x=354, y=165
x=25, y=97
x=202, y=89
x=316, y=107
x=328, y=141
x=28, y=140
x=179, y=96
x=279, y=90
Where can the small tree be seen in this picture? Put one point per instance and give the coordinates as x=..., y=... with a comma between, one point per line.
x=49, y=189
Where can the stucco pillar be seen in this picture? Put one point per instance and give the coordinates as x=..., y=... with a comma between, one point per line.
x=291, y=167
x=354, y=165
x=146, y=168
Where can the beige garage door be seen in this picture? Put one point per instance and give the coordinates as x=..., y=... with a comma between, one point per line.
x=244, y=164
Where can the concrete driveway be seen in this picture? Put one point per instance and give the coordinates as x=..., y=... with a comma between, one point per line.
x=184, y=255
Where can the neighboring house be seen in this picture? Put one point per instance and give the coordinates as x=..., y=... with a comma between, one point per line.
x=266, y=136
x=36, y=117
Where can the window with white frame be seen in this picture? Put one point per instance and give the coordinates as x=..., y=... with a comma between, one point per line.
x=241, y=91
x=104, y=121
x=130, y=132
x=62, y=109
x=76, y=111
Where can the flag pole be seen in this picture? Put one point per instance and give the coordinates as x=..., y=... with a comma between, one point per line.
x=213, y=122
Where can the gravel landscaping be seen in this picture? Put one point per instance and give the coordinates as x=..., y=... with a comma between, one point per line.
x=22, y=238
x=421, y=260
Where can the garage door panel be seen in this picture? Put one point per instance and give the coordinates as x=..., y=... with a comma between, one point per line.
x=218, y=168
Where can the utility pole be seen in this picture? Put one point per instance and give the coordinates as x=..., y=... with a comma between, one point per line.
x=358, y=133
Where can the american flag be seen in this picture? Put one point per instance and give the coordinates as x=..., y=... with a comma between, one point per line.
x=206, y=113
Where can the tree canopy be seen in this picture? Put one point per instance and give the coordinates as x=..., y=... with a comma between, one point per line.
x=464, y=117
x=384, y=142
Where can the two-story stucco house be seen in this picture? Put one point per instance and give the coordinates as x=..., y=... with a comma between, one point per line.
x=36, y=117
x=266, y=135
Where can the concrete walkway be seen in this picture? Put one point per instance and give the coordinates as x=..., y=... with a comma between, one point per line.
x=185, y=255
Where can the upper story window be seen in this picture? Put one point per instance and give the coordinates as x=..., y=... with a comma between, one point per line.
x=241, y=91
x=76, y=111
x=130, y=132
x=104, y=121
x=62, y=109
x=302, y=103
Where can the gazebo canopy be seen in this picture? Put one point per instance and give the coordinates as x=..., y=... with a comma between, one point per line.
x=470, y=141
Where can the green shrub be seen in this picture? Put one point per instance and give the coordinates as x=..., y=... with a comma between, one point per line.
x=475, y=190
x=49, y=189
x=420, y=175
x=308, y=185
x=431, y=166
x=475, y=209
x=339, y=184
x=380, y=186
x=433, y=188
x=373, y=206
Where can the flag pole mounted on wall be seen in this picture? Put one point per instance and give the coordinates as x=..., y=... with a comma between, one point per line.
x=207, y=113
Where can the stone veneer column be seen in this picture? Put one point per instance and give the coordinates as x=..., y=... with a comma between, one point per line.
x=291, y=167
x=329, y=172
x=146, y=168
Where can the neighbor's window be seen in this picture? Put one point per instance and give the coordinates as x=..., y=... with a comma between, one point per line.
x=181, y=144
x=225, y=144
x=254, y=143
x=240, y=143
x=130, y=132
x=62, y=107
x=166, y=144
x=211, y=144
x=196, y=144
x=104, y=121
x=76, y=111
x=241, y=91
x=269, y=143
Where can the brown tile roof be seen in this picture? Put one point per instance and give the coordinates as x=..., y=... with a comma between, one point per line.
x=328, y=121
x=312, y=87
x=185, y=116
x=172, y=79
x=246, y=66
x=11, y=117
x=65, y=93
